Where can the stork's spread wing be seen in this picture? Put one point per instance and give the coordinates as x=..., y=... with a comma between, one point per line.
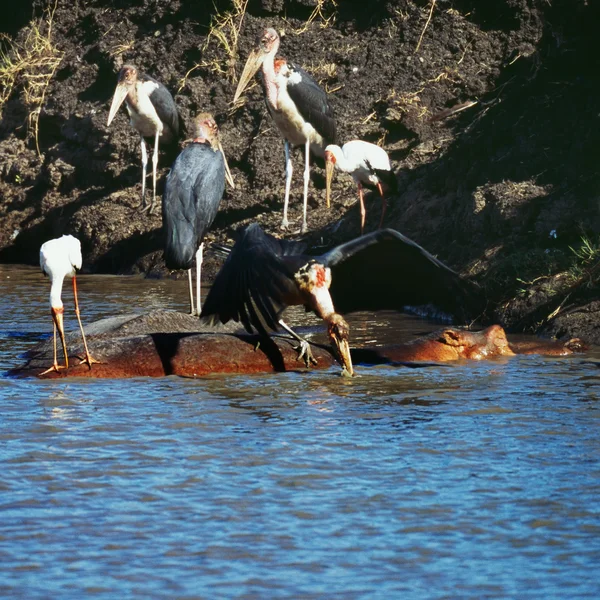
x=254, y=285
x=385, y=270
x=165, y=106
x=312, y=104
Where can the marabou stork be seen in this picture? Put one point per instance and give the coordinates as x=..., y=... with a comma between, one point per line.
x=152, y=113
x=368, y=164
x=298, y=106
x=193, y=191
x=60, y=258
x=381, y=270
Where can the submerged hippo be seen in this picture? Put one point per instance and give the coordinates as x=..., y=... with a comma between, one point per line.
x=451, y=344
x=549, y=347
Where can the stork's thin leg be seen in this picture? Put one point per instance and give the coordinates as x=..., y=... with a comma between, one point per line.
x=363, y=212
x=303, y=349
x=154, y=168
x=289, y=169
x=55, y=366
x=304, y=228
x=144, y=164
x=191, y=285
x=88, y=357
x=199, y=256
x=383, y=204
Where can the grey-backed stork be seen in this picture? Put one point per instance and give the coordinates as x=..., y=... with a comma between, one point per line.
x=298, y=106
x=381, y=270
x=60, y=258
x=193, y=192
x=152, y=113
x=368, y=164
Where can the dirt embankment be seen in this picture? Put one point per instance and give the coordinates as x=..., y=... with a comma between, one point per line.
x=505, y=189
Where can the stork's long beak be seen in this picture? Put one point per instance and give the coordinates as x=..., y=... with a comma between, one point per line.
x=121, y=92
x=338, y=331
x=254, y=62
x=57, y=316
x=343, y=349
x=329, y=167
x=228, y=176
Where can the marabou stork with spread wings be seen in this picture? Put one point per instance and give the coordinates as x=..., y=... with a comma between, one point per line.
x=298, y=106
x=193, y=192
x=368, y=164
x=381, y=270
x=152, y=113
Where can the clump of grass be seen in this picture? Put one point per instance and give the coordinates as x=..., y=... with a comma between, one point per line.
x=121, y=48
x=405, y=103
x=224, y=33
x=319, y=12
x=30, y=65
x=586, y=268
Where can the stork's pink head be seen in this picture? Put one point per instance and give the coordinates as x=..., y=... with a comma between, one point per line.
x=204, y=127
x=313, y=275
x=269, y=41
x=128, y=75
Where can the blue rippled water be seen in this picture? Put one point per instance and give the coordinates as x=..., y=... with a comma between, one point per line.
x=476, y=480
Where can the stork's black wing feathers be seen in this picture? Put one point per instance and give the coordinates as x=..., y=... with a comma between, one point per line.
x=387, y=177
x=193, y=192
x=165, y=106
x=385, y=270
x=253, y=284
x=312, y=104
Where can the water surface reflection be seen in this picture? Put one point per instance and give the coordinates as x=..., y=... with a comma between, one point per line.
x=464, y=481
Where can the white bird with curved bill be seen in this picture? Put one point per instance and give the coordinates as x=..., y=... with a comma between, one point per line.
x=368, y=164
x=60, y=258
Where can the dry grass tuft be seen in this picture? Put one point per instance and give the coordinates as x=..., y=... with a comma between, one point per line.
x=121, y=48
x=30, y=64
x=224, y=33
x=318, y=12
x=405, y=103
x=322, y=70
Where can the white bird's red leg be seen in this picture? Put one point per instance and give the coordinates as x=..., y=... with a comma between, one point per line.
x=289, y=169
x=88, y=357
x=383, y=204
x=363, y=212
x=55, y=366
x=304, y=227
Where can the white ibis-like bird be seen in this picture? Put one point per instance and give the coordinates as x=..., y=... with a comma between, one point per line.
x=298, y=106
x=152, y=113
x=193, y=192
x=368, y=164
x=383, y=270
x=60, y=258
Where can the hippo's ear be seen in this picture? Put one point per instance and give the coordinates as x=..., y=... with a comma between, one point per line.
x=576, y=345
x=451, y=337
